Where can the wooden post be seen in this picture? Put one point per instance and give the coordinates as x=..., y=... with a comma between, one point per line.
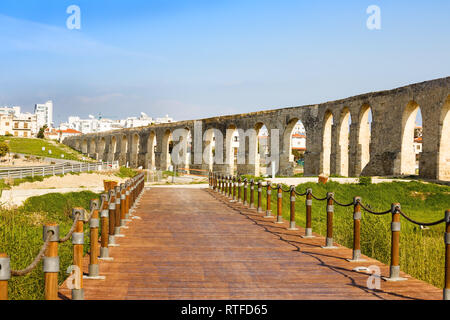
x=127, y=200
x=330, y=212
x=234, y=188
x=245, y=191
x=104, y=216
x=51, y=262
x=252, y=194
x=279, y=204
x=94, y=248
x=259, y=197
x=308, y=229
x=268, y=203
x=5, y=275
x=447, y=256
x=239, y=196
x=112, y=220
x=356, y=230
x=78, y=242
x=117, y=211
x=292, y=209
x=123, y=199
x=394, y=271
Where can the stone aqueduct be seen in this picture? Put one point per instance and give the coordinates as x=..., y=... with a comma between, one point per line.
x=333, y=146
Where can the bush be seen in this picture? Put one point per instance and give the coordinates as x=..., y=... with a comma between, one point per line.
x=125, y=172
x=4, y=149
x=365, y=181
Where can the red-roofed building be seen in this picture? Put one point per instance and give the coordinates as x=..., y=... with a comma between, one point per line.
x=60, y=135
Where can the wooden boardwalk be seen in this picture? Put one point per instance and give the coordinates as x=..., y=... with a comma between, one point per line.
x=195, y=244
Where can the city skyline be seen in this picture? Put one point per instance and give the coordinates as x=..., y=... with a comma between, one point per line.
x=206, y=59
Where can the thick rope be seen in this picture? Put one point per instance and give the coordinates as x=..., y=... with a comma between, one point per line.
x=428, y=224
x=371, y=211
x=319, y=199
x=18, y=273
x=341, y=204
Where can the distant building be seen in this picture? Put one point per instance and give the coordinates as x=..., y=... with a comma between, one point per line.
x=24, y=125
x=298, y=142
x=60, y=135
x=44, y=113
x=17, y=124
x=93, y=125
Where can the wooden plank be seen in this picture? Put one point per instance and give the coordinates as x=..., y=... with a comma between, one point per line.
x=195, y=244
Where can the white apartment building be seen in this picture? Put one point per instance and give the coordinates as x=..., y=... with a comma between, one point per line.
x=15, y=123
x=44, y=113
x=92, y=124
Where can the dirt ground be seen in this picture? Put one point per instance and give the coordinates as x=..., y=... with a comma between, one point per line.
x=84, y=180
x=9, y=161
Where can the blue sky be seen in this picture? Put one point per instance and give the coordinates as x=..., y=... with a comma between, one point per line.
x=194, y=59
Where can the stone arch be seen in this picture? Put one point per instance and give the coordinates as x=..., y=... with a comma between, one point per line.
x=288, y=160
x=124, y=144
x=84, y=146
x=326, y=143
x=92, y=147
x=364, y=137
x=135, y=149
x=166, y=158
x=232, y=144
x=151, y=145
x=113, y=145
x=262, y=148
x=101, y=148
x=444, y=142
x=407, y=153
x=342, y=165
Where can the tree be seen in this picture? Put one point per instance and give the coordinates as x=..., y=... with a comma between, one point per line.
x=40, y=135
x=4, y=149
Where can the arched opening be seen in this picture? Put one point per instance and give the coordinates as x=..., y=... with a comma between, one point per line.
x=364, y=137
x=262, y=165
x=231, y=148
x=135, y=150
x=92, y=147
x=113, y=146
x=344, y=143
x=411, y=139
x=444, y=142
x=294, y=144
x=124, y=145
x=167, y=146
x=209, y=150
x=326, y=143
x=151, y=147
x=101, y=148
x=84, y=147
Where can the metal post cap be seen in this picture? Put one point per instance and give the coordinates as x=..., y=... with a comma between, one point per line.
x=330, y=195
x=356, y=200
x=95, y=204
x=79, y=211
x=395, y=207
x=52, y=232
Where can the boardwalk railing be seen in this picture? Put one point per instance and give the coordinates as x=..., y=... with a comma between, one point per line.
x=227, y=186
x=115, y=208
x=51, y=170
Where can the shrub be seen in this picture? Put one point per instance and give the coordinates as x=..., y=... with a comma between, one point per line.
x=4, y=149
x=365, y=181
x=126, y=172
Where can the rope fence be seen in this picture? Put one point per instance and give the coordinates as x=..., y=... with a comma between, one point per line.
x=223, y=183
x=114, y=208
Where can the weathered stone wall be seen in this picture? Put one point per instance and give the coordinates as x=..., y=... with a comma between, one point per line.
x=332, y=148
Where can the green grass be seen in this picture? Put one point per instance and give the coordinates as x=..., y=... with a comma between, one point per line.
x=125, y=172
x=33, y=146
x=21, y=238
x=421, y=251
